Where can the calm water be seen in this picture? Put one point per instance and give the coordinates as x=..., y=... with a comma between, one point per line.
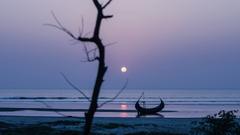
x=179, y=103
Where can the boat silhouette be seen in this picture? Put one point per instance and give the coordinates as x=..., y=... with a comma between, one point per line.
x=142, y=110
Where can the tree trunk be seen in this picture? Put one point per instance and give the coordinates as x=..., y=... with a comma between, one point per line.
x=98, y=83
x=101, y=67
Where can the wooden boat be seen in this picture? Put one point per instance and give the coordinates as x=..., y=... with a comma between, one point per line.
x=149, y=111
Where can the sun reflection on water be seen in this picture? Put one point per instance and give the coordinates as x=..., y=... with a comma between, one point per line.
x=124, y=106
x=123, y=115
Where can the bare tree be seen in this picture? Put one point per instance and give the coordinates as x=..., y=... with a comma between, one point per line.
x=98, y=55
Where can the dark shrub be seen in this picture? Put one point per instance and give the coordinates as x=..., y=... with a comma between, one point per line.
x=222, y=123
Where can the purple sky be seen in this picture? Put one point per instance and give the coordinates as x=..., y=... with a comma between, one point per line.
x=165, y=44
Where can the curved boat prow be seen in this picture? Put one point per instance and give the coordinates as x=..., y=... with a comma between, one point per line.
x=147, y=111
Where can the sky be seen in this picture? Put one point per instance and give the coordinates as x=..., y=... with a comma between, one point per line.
x=165, y=44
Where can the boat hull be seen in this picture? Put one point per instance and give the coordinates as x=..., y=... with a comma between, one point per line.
x=149, y=111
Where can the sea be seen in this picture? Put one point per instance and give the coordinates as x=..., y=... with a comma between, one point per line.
x=179, y=103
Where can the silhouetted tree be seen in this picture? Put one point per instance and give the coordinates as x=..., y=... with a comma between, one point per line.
x=100, y=58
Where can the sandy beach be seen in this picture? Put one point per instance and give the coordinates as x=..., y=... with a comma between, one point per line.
x=103, y=125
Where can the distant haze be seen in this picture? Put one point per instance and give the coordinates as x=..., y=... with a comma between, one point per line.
x=163, y=43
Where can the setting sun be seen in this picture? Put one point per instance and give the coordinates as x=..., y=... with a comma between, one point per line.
x=124, y=69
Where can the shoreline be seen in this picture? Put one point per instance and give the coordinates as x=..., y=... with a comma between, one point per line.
x=37, y=119
x=8, y=109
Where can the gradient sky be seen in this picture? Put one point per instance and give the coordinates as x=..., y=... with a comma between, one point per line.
x=164, y=43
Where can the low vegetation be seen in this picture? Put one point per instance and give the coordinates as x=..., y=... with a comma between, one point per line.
x=222, y=123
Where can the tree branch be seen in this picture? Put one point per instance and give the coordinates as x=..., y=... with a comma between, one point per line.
x=83, y=39
x=116, y=96
x=87, y=52
x=75, y=87
x=48, y=106
x=110, y=44
x=60, y=27
x=104, y=6
x=107, y=16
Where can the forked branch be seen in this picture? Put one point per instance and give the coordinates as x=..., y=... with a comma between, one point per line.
x=88, y=52
x=60, y=27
